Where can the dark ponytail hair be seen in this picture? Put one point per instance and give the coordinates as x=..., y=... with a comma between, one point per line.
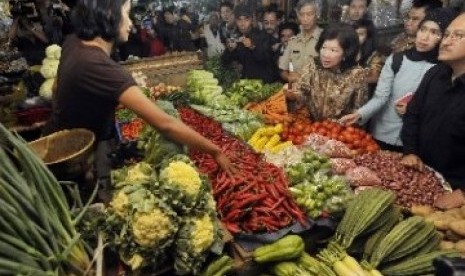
x=97, y=18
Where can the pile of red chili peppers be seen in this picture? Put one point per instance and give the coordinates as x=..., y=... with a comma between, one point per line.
x=257, y=199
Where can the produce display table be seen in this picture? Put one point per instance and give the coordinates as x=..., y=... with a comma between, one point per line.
x=317, y=193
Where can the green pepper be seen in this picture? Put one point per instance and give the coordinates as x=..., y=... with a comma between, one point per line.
x=287, y=248
x=219, y=267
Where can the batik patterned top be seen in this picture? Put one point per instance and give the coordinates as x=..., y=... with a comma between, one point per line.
x=330, y=95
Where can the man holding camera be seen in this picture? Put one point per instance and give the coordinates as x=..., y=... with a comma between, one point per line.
x=251, y=48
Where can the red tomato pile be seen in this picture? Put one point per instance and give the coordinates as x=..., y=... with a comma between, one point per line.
x=297, y=130
x=355, y=138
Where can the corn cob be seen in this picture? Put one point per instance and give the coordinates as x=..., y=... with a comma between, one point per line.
x=413, y=244
x=260, y=143
x=281, y=146
x=274, y=140
x=376, y=237
x=419, y=265
x=254, y=138
x=396, y=238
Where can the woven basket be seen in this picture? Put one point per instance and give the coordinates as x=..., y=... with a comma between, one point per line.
x=67, y=153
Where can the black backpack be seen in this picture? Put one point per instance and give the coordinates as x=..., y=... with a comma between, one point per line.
x=397, y=62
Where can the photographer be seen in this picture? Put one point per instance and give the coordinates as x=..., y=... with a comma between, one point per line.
x=29, y=37
x=56, y=23
x=251, y=49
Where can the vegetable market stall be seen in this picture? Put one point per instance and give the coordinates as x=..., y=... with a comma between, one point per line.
x=290, y=210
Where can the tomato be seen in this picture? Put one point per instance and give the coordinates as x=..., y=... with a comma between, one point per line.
x=323, y=132
x=372, y=148
x=350, y=129
x=299, y=140
x=348, y=137
x=299, y=127
x=285, y=134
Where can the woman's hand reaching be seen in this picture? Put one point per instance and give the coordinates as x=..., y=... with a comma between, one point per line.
x=350, y=119
x=225, y=163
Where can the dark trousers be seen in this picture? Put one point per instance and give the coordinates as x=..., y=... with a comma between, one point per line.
x=389, y=147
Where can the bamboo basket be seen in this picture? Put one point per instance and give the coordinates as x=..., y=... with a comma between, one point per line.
x=171, y=68
x=67, y=153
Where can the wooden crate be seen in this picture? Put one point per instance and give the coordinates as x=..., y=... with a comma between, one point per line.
x=171, y=68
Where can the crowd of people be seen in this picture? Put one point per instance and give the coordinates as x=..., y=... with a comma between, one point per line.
x=337, y=71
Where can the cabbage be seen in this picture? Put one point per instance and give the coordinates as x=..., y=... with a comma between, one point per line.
x=49, y=68
x=45, y=90
x=53, y=52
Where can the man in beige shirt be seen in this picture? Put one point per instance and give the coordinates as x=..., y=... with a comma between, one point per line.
x=301, y=48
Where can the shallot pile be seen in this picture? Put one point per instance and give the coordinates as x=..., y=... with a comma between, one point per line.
x=411, y=186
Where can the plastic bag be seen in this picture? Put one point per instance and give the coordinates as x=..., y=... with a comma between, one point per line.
x=342, y=165
x=315, y=141
x=335, y=149
x=362, y=176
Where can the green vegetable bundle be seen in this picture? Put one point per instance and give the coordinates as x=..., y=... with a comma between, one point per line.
x=239, y=122
x=245, y=91
x=37, y=231
x=226, y=75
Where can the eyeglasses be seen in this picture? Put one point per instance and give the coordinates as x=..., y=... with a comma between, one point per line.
x=454, y=36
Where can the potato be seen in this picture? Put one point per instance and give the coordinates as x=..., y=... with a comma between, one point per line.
x=462, y=211
x=460, y=246
x=446, y=245
x=438, y=215
x=454, y=213
x=442, y=224
x=421, y=210
x=452, y=236
x=458, y=227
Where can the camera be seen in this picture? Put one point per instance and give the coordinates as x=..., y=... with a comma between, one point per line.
x=23, y=8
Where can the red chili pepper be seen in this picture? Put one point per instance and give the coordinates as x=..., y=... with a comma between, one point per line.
x=232, y=227
x=250, y=200
x=233, y=215
x=277, y=203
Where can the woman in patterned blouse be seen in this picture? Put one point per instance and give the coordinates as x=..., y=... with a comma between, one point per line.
x=333, y=84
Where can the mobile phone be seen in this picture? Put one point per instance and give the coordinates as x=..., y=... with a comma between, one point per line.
x=405, y=99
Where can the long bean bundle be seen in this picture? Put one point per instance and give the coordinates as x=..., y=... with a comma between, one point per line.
x=37, y=232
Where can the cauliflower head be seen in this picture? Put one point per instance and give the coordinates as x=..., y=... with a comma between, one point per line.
x=139, y=172
x=203, y=236
x=120, y=203
x=45, y=89
x=184, y=176
x=140, y=226
x=53, y=51
x=135, y=262
x=151, y=228
x=49, y=68
x=197, y=236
